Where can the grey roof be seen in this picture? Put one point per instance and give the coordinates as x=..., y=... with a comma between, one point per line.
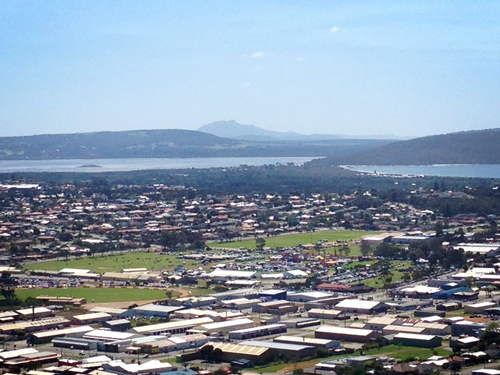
x=117, y=322
x=276, y=345
x=158, y=308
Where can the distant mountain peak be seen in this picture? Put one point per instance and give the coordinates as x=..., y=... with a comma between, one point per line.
x=235, y=130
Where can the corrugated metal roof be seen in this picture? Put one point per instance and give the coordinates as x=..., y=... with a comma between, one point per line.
x=238, y=348
x=107, y=335
x=344, y=331
x=276, y=345
x=173, y=325
x=259, y=328
x=227, y=323
x=301, y=339
x=90, y=316
x=414, y=336
x=62, y=332
x=357, y=304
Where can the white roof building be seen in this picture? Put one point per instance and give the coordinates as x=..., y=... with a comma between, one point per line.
x=358, y=305
x=173, y=327
x=226, y=326
x=489, y=250
x=231, y=274
x=103, y=335
x=120, y=367
x=420, y=289
x=8, y=354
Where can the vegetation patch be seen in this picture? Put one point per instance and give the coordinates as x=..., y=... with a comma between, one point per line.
x=407, y=352
x=295, y=239
x=96, y=294
x=117, y=262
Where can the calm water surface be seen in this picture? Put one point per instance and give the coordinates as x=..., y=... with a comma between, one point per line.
x=124, y=165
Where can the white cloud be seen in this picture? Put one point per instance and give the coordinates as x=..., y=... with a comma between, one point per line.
x=335, y=29
x=258, y=54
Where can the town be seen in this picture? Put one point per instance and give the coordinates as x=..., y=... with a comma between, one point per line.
x=157, y=279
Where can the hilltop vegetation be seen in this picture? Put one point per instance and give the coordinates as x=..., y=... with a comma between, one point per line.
x=125, y=144
x=472, y=147
x=170, y=143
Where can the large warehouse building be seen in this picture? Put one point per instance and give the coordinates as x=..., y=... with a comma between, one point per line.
x=411, y=339
x=346, y=334
x=358, y=306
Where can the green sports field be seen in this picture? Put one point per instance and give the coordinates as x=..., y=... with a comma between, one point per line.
x=287, y=240
x=397, y=274
x=96, y=294
x=117, y=262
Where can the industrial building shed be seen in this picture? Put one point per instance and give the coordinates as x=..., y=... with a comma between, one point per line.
x=235, y=352
x=180, y=326
x=47, y=336
x=284, y=350
x=266, y=330
x=479, y=308
x=422, y=341
x=91, y=318
x=309, y=341
x=324, y=313
x=346, y=334
x=273, y=294
x=358, y=306
x=221, y=328
x=119, y=325
x=151, y=309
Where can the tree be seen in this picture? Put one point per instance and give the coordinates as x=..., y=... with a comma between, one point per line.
x=64, y=252
x=260, y=243
x=206, y=352
x=345, y=250
x=7, y=285
x=387, y=280
x=322, y=353
x=168, y=293
x=491, y=335
x=439, y=229
x=366, y=249
x=406, y=277
x=217, y=355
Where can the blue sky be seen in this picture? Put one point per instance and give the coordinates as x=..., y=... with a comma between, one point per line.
x=407, y=68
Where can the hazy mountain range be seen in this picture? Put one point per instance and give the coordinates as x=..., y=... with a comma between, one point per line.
x=234, y=130
x=230, y=139
x=168, y=143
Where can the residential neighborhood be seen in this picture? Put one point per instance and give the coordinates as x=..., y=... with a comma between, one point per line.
x=159, y=279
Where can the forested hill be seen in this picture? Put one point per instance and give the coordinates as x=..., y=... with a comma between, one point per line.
x=169, y=143
x=121, y=144
x=472, y=147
